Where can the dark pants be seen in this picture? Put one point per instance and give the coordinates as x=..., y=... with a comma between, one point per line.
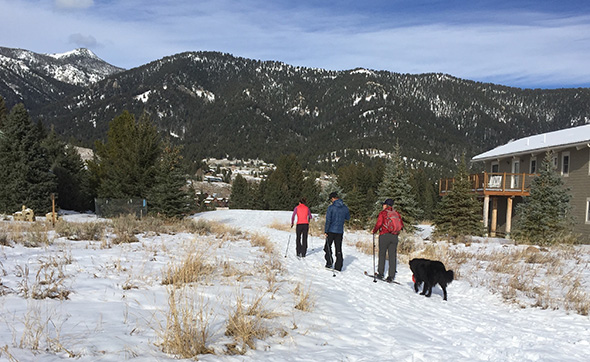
x=337, y=240
x=388, y=244
x=301, y=231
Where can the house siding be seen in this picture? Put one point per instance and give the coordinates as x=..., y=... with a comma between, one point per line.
x=578, y=182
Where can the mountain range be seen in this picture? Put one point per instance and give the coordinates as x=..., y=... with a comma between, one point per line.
x=217, y=105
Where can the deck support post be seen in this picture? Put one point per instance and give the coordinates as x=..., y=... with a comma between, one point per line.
x=494, y=216
x=509, y=217
x=486, y=213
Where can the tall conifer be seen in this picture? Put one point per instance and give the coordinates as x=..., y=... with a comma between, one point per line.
x=395, y=185
x=25, y=173
x=459, y=213
x=545, y=216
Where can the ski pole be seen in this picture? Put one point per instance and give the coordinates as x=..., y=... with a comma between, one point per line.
x=286, y=251
x=374, y=276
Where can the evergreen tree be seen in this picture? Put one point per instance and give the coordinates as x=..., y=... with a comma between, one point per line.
x=459, y=212
x=169, y=195
x=285, y=184
x=396, y=186
x=125, y=165
x=544, y=216
x=240, y=197
x=73, y=192
x=322, y=208
x=25, y=169
x=426, y=192
x=311, y=191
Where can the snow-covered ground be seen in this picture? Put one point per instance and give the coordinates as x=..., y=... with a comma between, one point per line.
x=117, y=304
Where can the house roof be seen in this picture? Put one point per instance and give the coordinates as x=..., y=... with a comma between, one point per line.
x=570, y=137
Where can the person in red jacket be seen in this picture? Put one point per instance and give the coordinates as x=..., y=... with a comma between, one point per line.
x=303, y=217
x=389, y=224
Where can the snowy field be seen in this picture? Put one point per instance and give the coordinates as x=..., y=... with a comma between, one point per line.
x=117, y=306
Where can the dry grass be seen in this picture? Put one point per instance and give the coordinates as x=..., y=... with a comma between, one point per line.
x=262, y=241
x=245, y=327
x=279, y=225
x=188, y=326
x=81, y=231
x=304, y=300
x=125, y=228
x=192, y=269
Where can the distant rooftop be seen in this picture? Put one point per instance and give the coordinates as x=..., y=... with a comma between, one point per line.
x=570, y=137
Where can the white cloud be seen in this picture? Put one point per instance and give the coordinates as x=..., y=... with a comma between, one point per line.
x=74, y=4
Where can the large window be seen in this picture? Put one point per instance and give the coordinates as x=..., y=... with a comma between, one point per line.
x=565, y=163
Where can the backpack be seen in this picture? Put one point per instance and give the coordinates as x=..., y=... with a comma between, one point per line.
x=393, y=223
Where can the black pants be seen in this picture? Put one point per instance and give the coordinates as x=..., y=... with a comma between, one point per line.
x=301, y=231
x=337, y=240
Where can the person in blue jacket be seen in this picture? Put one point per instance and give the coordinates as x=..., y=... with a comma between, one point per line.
x=336, y=215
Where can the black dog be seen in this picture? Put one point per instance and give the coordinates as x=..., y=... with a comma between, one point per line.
x=431, y=272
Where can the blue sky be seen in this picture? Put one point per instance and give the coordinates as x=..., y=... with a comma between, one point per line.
x=527, y=44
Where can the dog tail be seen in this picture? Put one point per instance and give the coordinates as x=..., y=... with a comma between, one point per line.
x=449, y=276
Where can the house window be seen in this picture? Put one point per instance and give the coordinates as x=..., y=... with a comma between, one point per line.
x=565, y=164
x=495, y=167
x=533, y=165
x=588, y=210
x=555, y=162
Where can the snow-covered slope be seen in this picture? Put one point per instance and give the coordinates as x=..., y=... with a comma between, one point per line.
x=117, y=302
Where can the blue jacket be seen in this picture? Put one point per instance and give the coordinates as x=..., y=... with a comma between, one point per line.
x=335, y=216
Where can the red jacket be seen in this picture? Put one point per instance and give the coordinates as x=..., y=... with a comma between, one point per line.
x=303, y=214
x=381, y=220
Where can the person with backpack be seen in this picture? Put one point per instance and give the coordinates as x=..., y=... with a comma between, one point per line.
x=389, y=224
x=302, y=229
x=336, y=215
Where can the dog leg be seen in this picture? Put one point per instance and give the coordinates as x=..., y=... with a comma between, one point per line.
x=416, y=285
x=425, y=288
x=429, y=293
x=444, y=288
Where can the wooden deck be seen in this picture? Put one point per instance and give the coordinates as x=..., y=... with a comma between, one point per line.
x=493, y=184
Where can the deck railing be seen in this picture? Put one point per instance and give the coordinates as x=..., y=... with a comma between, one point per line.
x=493, y=183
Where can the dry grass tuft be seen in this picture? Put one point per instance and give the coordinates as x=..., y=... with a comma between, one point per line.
x=303, y=298
x=245, y=328
x=192, y=269
x=262, y=241
x=188, y=326
x=279, y=225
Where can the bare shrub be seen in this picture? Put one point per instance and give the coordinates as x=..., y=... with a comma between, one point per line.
x=36, y=236
x=188, y=326
x=316, y=225
x=80, y=231
x=304, y=300
x=244, y=328
x=365, y=246
x=125, y=228
x=4, y=240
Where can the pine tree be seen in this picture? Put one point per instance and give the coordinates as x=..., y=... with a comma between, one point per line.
x=169, y=195
x=311, y=191
x=396, y=185
x=125, y=165
x=73, y=192
x=285, y=184
x=240, y=197
x=25, y=169
x=544, y=217
x=322, y=208
x=459, y=212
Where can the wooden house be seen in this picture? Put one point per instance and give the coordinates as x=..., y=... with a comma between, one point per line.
x=509, y=169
